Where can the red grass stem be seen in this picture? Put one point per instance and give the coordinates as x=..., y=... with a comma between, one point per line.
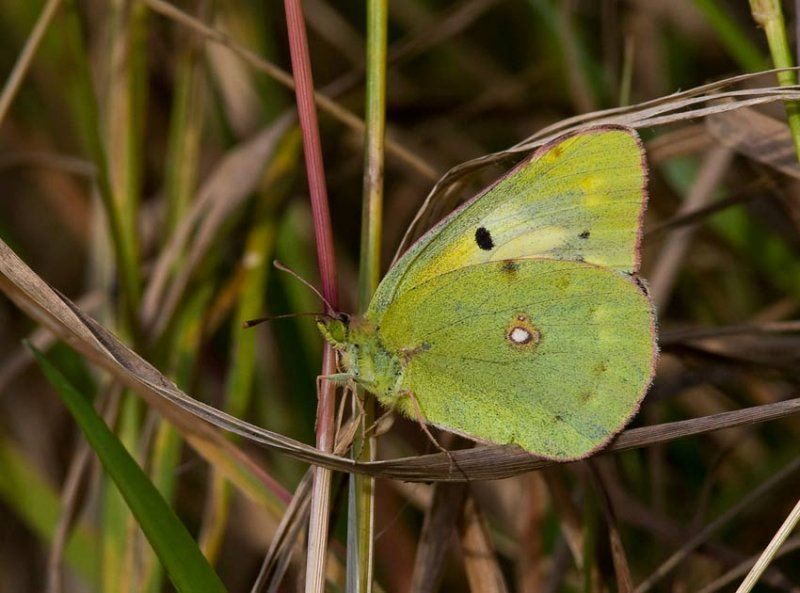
x=304, y=91
x=312, y=148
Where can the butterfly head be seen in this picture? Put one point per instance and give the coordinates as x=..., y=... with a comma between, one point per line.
x=335, y=329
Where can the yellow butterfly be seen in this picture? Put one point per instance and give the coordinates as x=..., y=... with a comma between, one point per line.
x=520, y=318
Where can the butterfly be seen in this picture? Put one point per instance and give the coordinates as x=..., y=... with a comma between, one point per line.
x=520, y=317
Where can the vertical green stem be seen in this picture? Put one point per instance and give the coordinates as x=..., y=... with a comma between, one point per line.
x=362, y=488
x=769, y=15
x=375, y=120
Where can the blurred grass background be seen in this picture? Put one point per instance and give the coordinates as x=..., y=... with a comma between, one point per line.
x=152, y=174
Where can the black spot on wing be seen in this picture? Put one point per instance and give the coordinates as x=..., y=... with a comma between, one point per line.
x=509, y=268
x=484, y=239
x=584, y=234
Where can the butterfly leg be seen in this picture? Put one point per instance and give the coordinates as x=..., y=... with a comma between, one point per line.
x=359, y=414
x=337, y=378
x=420, y=417
x=346, y=430
x=349, y=388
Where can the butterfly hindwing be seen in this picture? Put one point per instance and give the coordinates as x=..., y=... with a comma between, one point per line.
x=552, y=355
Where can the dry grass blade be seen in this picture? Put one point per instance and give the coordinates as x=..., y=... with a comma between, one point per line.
x=226, y=188
x=693, y=104
x=790, y=545
x=294, y=519
x=668, y=109
x=58, y=313
x=705, y=534
x=480, y=560
x=286, y=537
x=436, y=536
x=33, y=295
x=771, y=550
x=677, y=336
x=759, y=137
x=770, y=350
x=495, y=462
x=618, y=556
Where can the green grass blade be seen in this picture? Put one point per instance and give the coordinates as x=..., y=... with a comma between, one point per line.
x=185, y=565
x=36, y=503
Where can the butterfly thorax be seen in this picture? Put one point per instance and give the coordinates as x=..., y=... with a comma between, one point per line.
x=363, y=357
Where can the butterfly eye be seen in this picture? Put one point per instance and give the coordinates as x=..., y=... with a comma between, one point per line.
x=343, y=317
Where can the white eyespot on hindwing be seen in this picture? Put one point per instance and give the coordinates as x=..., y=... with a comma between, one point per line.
x=522, y=334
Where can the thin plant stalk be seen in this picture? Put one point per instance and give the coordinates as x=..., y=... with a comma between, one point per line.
x=769, y=16
x=80, y=93
x=326, y=104
x=23, y=63
x=123, y=115
x=771, y=550
x=714, y=526
x=361, y=521
x=312, y=149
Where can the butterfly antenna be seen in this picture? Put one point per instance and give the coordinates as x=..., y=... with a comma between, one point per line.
x=282, y=268
x=297, y=276
x=258, y=320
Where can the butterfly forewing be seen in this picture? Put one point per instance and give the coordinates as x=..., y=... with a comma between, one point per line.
x=579, y=198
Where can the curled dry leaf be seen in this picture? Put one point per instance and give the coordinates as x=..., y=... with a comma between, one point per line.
x=704, y=101
x=759, y=137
